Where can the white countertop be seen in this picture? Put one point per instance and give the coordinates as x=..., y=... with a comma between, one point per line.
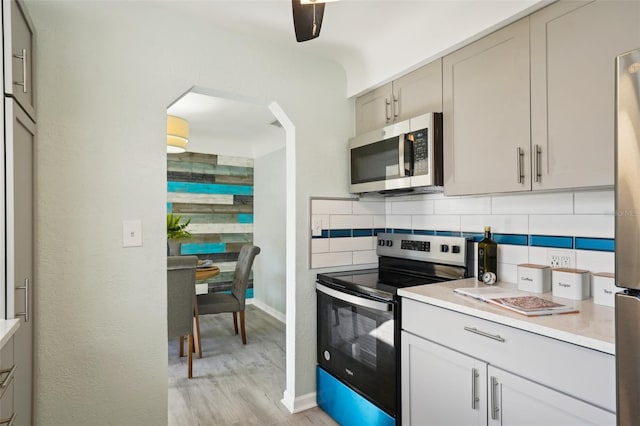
x=8, y=329
x=592, y=327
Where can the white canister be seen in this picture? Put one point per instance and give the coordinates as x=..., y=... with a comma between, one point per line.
x=604, y=288
x=534, y=278
x=571, y=283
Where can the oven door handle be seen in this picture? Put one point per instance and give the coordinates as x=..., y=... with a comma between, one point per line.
x=355, y=300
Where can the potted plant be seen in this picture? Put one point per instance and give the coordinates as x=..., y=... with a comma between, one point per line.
x=176, y=231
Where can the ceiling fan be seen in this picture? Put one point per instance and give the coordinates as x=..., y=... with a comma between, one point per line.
x=307, y=18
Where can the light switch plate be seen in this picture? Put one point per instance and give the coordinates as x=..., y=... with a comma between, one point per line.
x=131, y=233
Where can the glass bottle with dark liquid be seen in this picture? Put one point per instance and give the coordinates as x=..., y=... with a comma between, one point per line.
x=487, y=258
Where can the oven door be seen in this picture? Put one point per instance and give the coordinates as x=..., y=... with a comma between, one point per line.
x=357, y=343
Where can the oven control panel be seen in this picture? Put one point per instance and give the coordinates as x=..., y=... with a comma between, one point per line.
x=427, y=248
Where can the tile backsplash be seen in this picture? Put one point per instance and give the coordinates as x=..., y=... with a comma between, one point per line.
x=524, y=225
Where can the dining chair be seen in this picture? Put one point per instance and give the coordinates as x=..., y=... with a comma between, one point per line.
x=181, y=293
x=216, y=303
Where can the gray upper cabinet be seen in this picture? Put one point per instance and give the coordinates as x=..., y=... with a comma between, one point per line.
x=415, y=93
x=19, y=55
x=486, y=108
x=573, y=48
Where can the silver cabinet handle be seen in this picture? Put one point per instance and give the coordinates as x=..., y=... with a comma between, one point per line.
x=485, y=334
x=23, y=58
x=474, y=391
x=536, y=163
x=9, y=421
x=25, y=287
x=11, y=371
x=494, y=399
x=520, y=156
x=387, y=109
x=396, y=108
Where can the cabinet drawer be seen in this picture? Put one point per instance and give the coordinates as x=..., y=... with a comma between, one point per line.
x=584, y=373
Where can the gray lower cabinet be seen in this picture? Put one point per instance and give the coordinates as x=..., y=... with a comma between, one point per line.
x=7, y=375
x=19, y=181
x=457, y=369
x=486, y=112
x=573, y=48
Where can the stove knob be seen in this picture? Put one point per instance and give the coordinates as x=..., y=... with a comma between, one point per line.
x=327, y=355
x=388, y=243
x=444, y=248
x=455, y=249
x=380, y=242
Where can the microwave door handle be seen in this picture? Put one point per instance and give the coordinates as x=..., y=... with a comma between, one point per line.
x=409, y=147
x=401, y=168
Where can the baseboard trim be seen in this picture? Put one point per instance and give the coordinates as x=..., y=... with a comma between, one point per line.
x=301, y=403
x=266, y=308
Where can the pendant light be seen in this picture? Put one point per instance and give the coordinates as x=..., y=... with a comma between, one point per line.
x=177, y=134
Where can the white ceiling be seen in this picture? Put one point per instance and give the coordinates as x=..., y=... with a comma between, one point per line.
x=374, y=41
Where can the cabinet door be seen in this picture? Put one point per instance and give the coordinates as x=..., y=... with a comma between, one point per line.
x=19, y=147
x=487, y=114
x=374, y=109
x=19, y=55
x=514, y=400
x=573, y=48
x=418, y=92
x=441, y=386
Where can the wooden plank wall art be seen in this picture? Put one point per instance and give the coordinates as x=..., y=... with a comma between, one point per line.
x=216, y=192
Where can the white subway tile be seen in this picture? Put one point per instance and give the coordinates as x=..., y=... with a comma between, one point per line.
x=350, y=221
x=507, y=273
x=595, y=261
x=599, y=226
x=351, y=244
x=551, y=203
x=513, y=255
x=538, y=255
x=365, y=257
x=319, y=245
x=332, y=206
x=502, y=224
x=399, y=221
x=368, y=207
x=412, y=207
x=323, y=218
x=594, y=202
x=436, y=222
x=379, y=221
x=463, y=205
x=324, y=260
x=362, y=221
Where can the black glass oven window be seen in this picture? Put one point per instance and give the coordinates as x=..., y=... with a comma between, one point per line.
x=376, y=161
x=354, y=335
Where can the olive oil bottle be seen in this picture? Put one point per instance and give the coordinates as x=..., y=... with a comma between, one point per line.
x=487, y=258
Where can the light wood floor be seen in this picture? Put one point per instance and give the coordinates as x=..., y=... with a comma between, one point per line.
x=234, y=384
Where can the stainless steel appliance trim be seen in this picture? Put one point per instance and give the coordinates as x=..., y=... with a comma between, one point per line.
x=354, y=300
x=627, y=318
x=485, y=334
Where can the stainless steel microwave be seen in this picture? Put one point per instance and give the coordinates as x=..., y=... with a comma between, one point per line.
x=403, y=157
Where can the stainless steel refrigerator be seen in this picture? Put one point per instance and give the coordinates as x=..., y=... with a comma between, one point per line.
x=627, y=302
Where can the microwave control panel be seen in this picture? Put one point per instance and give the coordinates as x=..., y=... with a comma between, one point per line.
x=421, y=152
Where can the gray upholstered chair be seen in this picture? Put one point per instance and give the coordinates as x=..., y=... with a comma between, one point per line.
x=181, y=293
x=216, y=303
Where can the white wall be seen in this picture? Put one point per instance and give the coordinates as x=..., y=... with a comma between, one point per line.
x=269, y=213
x=106, y=72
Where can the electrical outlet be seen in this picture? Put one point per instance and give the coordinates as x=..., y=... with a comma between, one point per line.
x=561, y=258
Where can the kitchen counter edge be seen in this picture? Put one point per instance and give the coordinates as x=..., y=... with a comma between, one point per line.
x=593, y=327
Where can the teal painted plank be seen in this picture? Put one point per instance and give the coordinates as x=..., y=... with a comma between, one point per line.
x=245, y=218
x=209, y=188
x=195, y=248
x=169, y=207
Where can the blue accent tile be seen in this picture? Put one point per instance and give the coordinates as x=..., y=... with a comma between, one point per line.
x=202, y=248
x=209, y=188
x=402, y=231
x=169, y=207
x=513, y=239
x=339, y=233
x=551, y=241
x=245, y=218
x=346, y=406
x=448, y=233
x=378, y=231
x=475, y=236
x=363, y=232
x=600, y=244
x=424, y=232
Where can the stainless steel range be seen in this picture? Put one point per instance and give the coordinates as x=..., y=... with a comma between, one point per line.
x=358, y=380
